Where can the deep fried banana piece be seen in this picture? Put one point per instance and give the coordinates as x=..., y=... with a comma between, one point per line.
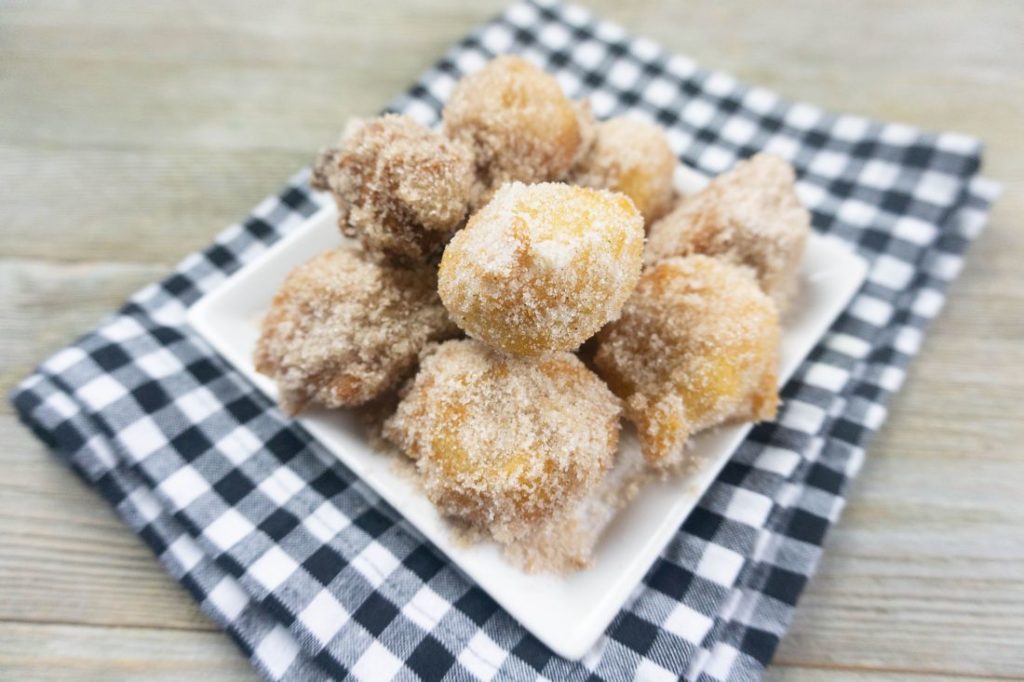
x=401, y=188
x=502, y=442
x=633, y=157
x=697, y=345
x=344, y=328
x=542, y=267
x=749, y=216
x=518, y=122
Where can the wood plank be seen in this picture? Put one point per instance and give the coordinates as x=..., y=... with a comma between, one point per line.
x=30, y=652
x=44, y=306
x=167, y=119
x=217, y=77
x=825, y=673
x=149, y=207
x=188, y=117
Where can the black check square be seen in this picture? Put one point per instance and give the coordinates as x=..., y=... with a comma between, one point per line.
x=430, y=660
x=375, y=614
x=324, y=564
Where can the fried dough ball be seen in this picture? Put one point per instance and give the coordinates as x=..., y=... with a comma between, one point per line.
x=503, y=442
x=632, y=157
x=517, y=121
x=588, y=127
x=344, y=328
x=401, y=188
x=749, y=216
x=542, y=267
x=696, y=346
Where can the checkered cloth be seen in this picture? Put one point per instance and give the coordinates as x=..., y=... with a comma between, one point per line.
x=315, y=577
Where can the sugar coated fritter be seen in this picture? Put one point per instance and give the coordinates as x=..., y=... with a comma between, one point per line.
x=518, y=122
x=749, y=216
x=588, y=125
x=502, y=442
x=696, y=346
x=343, y=328
x=401, y=188
x=542, y=267
x=633, y=157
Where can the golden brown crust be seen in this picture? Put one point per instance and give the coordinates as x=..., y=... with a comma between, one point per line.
x=401, y=188
x=749, y=216
x=343, y=329
x=633, y=157
x=504, y=443
x=588, y=125
x=517, y=121
x=541, y=267
x=696, y=346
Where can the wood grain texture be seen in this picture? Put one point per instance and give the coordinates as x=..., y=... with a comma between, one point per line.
x=74, y=653
x=130, y=133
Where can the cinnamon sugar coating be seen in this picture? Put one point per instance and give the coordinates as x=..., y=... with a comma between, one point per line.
x=696, y=346
x=588, y=125
x=749, y=216
x=519, y=124
x=344, y=328
x=633, y=157
x=542, y=267
x=504, y=443
x=401, y=188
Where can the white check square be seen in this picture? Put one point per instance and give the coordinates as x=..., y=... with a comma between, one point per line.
x=426, y=608
x=324, y=616
x=687, y=623
x=376, y=663
x=749, y=507
x=660, y=92
x=186, y=553
x=277, y=651
x=183, y=487
x=326, y=522
x=228, y=529
x=376, y=563
x=720, y=565
x=272, y=568
x=482, y=657
x=229, y=598
x=777, y=460
x=198, y=404
x=102, y=391
x=281, y=485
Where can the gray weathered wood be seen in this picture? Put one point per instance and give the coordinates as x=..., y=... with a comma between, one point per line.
x=73, y=653
x=130, y=133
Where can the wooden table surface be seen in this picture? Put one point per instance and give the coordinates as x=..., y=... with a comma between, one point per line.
x=130, y=133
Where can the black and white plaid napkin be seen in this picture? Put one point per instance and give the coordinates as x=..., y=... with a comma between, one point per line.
x=315, y=577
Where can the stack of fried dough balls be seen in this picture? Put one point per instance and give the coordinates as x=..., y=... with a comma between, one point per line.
x=521, y=224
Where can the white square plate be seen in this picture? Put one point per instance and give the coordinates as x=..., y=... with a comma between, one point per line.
x=567, y=613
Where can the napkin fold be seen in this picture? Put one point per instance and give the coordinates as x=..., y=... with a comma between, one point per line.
x=315, y=577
